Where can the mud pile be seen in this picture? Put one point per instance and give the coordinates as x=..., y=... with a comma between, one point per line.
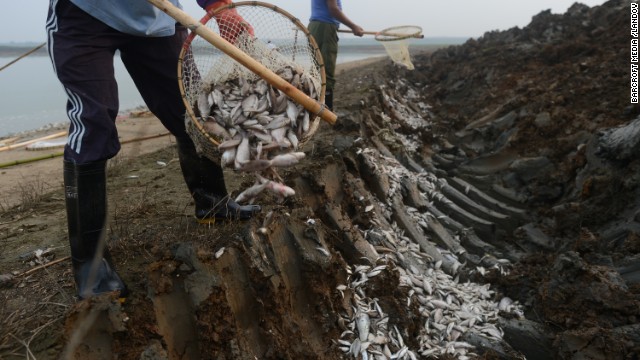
x=483, y=205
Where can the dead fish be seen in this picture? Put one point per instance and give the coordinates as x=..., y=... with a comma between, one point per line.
x=279, y=134
x=218, y=98
x=236, y=112
x=295, y=81
x=287, y=159
x=250, y=103
x=263, y=105
x=292, y=111
x=310, y=87
x=261, y=87
x=245, y=86
x=277, y=122
x=264, y=119
x=264, y=137
x=280, y=189
x=227, y=144
x=228, y=157
x=240, y=119
x=286, y=73
x=216, y=129
x=255, y=165
x=280, y=105
x=258, y=151
x=362, y=324
x=306, y=121
x=293, y=139
x=250, y=193
x=272, y=97
x=243, y=152
x=203, y=105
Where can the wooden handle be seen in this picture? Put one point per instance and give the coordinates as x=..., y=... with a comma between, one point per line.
x=272, y=78
x=419, y=36
x=29, y=142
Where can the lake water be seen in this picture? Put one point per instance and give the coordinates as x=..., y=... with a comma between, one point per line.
x=31, y=96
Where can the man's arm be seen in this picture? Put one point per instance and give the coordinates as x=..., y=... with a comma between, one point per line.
x=335, y=11
x=231, y=24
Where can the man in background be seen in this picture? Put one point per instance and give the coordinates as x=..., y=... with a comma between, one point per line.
x=326, y=17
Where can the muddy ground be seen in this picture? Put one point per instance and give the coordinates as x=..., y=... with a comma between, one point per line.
x=500, y=177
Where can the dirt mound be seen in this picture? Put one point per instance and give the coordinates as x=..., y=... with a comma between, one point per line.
x=483, y=205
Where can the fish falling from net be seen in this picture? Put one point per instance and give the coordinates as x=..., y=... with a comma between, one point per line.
x=259, y=127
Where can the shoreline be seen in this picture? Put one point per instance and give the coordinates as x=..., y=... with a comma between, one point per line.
x=362, y=56
x=136, y=111
x=25, y=179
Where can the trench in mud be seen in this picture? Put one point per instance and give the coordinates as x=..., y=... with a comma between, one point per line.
x=267, y=293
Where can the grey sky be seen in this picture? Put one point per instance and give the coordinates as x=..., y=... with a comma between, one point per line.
x=24, y=20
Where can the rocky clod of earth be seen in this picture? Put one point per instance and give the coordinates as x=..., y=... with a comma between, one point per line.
x=485, y=205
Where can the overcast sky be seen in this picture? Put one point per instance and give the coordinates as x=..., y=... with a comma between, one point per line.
x=24, y=20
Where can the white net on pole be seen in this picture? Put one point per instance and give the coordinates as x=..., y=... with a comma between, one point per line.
x=396, y=42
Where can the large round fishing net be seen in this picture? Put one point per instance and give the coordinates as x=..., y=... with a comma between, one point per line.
x=228, y=104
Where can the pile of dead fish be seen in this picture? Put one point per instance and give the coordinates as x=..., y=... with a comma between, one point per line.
x=259, y=127
x=447, y=308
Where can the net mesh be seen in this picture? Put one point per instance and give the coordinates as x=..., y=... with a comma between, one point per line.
x=226, y=101
x=396, y=42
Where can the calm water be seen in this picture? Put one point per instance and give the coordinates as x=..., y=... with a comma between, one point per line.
x=31, y=96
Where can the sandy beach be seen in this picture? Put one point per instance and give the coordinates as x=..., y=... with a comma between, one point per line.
x=139, y=134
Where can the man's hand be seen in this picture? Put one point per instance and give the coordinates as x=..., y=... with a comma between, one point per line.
x=231, y=24
x=357, y=31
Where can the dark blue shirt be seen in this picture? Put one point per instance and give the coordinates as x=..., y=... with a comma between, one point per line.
x=320, y=12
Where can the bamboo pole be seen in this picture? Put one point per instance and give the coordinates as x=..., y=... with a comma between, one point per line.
x=417, y=36
x=24, y=143
x=30, y=160
x=246, y=60
x=22, y=56
x=9, y=140
x=50, y=156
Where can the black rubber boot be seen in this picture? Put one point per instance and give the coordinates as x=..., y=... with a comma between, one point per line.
x=328, y=99
x=205, y=180
x=86, y=201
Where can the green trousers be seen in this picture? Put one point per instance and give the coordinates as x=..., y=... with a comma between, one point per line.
x=326, y=36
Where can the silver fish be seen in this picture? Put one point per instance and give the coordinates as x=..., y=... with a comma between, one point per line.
x=216, y=129
x=287, y=159
x=293, y=139
x=277, y=122
x=292, y=111
x=243, y=152
x=203, y=105
x=280, y=189
x=255, y=165
x=250, y=103
x=228, y=157
x=250, y=193
x=227, y=144
x=362, y=324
